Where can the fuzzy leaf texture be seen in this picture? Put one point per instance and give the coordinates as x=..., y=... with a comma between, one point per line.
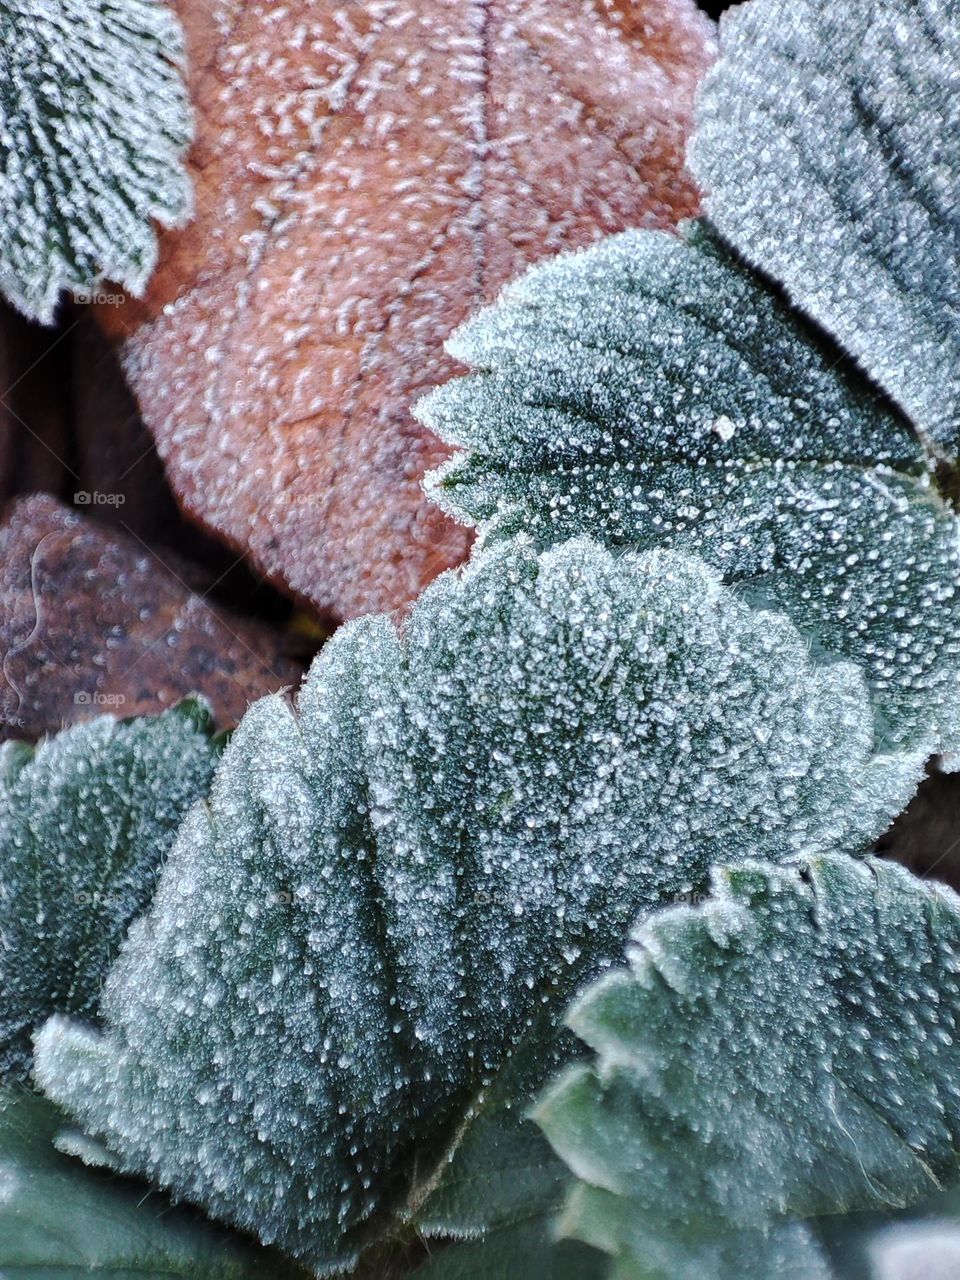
x=61, y=1221
x=85, y=820
x=94, y=127
x=392, y=895
x=919, y=1243
x=828, y=148
x=368, y=173
x=787, y=1049
x=653, y=392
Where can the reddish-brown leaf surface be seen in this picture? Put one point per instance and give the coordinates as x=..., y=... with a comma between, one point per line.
x=367, y=174
x=92, y=622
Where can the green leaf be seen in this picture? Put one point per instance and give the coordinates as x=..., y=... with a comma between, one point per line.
x=392, y=895
x=786, y=1050
x=828, y=148
x=85, y=821
x=94, y=126
x=526, y=1251
x=653, y=392
x=62, y=1221
x=498, y=1197
x=643, y=1249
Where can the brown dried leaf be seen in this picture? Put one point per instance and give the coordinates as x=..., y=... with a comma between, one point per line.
x=90, y=621
x=368, y=174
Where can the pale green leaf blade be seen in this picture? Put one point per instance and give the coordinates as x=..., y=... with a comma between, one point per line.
x=509, y=1252
x=828, y=149
x=94, y=127
x=653, y=392
x=62, y=1221
x=786, y=1050
x=641, y=1249
x=394, y=891
x=85, y=821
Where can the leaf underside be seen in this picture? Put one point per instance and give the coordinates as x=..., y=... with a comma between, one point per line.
x=62, y=1221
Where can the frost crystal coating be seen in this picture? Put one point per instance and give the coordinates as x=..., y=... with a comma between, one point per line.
x=60, y=1220
x=94, y=124
x=828, y=149
x=84, y=822
x=395, y=891
x=653, y=392
x=787, y=1050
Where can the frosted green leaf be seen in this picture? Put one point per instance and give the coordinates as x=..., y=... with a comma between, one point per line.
x=94, y=126
x=62, y=1221
x=653, y=392
x=524, y=1251
x=85, y=820
x=501, y=1192
x=785, y=1050
x=641, y=1249
x=392, y=894
x=828, y=148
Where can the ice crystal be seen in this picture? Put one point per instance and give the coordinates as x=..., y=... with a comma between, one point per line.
x=368, y=173
x=94, y=124
x=84, y=822
x=652, y=391
x=394, y=892
x=788, y=1049
x=828, y=147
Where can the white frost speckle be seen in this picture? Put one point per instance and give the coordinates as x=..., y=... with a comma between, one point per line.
x=85, y=86
x=388, y=892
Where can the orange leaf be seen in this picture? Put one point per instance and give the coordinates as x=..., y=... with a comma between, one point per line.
x=367, y=175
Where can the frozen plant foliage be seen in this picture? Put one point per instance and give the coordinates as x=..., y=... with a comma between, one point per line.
x=94, y=126
x=368, y=173
x=59, y=1220
x=394, y=892
x=653, y=392
x=85, y=820
x=828, y=149
x=787, y=1050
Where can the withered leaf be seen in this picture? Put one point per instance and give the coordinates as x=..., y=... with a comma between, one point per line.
x=367, y=174
x=91, y=622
